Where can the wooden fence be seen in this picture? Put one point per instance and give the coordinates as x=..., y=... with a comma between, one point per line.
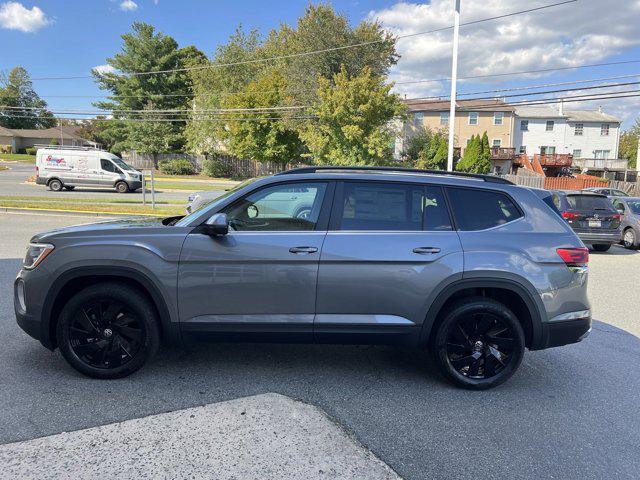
x=236, y=167
x=570, y=183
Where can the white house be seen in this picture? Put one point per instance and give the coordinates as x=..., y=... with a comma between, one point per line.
x=581, y=133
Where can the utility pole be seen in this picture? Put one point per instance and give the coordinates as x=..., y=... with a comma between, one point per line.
x=454, y=79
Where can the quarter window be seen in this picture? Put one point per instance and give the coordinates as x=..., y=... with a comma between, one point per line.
x=476, y=209
x=473, y=118
x=381, y=206
x=285, y=207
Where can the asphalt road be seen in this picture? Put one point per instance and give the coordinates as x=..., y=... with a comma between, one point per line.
x=12, y=182
x=569, y=412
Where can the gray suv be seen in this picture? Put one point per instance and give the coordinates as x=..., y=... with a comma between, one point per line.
x=472, y=267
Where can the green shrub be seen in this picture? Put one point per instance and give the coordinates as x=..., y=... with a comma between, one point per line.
x=215, y=167
x=31, y=150
x=178, y=166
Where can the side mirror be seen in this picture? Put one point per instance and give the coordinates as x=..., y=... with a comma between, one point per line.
x=217, y=224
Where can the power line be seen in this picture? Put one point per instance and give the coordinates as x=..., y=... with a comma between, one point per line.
x=154, y=111
x=151, y=120
x=324, y=50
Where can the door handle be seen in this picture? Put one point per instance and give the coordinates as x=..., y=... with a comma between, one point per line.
x=303, y=249
x=426, y=250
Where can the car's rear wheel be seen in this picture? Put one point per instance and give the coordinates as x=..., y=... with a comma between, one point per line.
x=108, y=330
x=629, y=238
x=479, y=344
x=122, y=187
x=601, y=247
x=55, y=185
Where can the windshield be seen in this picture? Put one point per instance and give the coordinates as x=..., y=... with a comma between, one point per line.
x=121, y=164
x=634, y=206
x=196, y=213
x=589, y=202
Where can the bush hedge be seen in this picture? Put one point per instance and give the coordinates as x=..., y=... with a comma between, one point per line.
x=178, y=166
x=31, y=150
x=214, y=167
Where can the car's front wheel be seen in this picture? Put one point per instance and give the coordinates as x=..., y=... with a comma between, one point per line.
x=122, y=187
x=479, y=344
x=108, y=330
x=629, y=238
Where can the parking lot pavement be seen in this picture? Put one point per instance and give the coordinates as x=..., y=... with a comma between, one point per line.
x=12, y=183
x=289, y=439
x=569, y=412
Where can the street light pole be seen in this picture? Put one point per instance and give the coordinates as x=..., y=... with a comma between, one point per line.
x=454, y=77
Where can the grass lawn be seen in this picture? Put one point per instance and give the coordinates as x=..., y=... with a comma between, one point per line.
x=20, y=157
x=170, y=185
x=191, y=178
x=102, y=205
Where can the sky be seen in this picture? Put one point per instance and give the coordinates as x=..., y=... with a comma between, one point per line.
x=69, y=37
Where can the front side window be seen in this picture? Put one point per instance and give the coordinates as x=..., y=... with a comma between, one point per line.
x=634, y=206
x=578, y=129
x=107, y=166
x=476, y=209
x=285, y=207
x=604, y=129
x=549, y=127
x=473, y=118
x=498, y=118
x=524, y=125
x=381, y=206
x=444, y=118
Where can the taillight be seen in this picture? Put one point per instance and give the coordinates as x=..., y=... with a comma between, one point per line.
x=37, y=171
x=574, y=257
x=616, y=216
x=570, y=215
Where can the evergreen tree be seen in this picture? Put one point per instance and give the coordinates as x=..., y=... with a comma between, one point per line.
x=29, y=110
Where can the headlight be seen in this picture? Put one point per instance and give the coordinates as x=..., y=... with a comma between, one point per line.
x=36, y=253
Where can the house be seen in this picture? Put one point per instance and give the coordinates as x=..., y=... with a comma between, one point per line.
x=473, y=117
x=19, y=139
x=563, y=138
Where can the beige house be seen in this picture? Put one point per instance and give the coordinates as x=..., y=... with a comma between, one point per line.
x=473, y=117
x=23, y=138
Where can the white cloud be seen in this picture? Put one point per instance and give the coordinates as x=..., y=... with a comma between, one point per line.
x=104, y=69
x=128, y=5
x=14, y=16
x=569, y=35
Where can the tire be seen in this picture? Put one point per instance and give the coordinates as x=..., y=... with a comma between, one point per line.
x=629, y=239
x=601, y=247
x=55, y=185
x=479, y=344
x=122, y=187
x=108, y=330
x=66, y=187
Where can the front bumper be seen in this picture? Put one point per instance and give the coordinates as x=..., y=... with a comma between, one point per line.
x=28, y=322
x=571, y=327
x=593, y=237
x=134, y=184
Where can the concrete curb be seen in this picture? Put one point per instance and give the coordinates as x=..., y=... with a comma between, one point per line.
x=77, y=212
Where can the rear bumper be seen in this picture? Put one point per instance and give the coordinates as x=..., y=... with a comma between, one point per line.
x=567, y=328
x=591, y=237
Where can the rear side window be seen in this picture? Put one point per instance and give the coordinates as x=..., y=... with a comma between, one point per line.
x=436, y=214
x=553, y=201
x=589, y=202
x=481, y=209
x=381, y=206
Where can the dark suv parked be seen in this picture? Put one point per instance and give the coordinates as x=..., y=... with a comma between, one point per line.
x=473, y=267
x=592, y=216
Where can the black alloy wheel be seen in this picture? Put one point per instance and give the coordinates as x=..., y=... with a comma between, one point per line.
x=479, y=344
x=108, y=330
x=106, y=334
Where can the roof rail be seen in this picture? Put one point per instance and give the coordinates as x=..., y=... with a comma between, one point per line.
x=65, y=147
x=477, y=176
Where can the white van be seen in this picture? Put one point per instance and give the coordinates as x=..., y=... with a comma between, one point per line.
x=71, y=167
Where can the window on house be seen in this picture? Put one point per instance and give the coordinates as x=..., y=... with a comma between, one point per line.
x=418, y=119
x=473, y=118
x=523, y=149
x=547, y=150
x=496, y=142
x=497, y=118
x=604, y=129
x=577, y=153
x=444, y=118
x=549, y=127
x=524, y=125
x=603, y=154
x=578, y=129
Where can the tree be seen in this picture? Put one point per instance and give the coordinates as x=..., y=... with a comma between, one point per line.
x=434, y=154
x=475, y=158
x=353, y=115
x=416, y=144
x=16, y=90
x=629, y=144
x=144, y=50
x=263, y=140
